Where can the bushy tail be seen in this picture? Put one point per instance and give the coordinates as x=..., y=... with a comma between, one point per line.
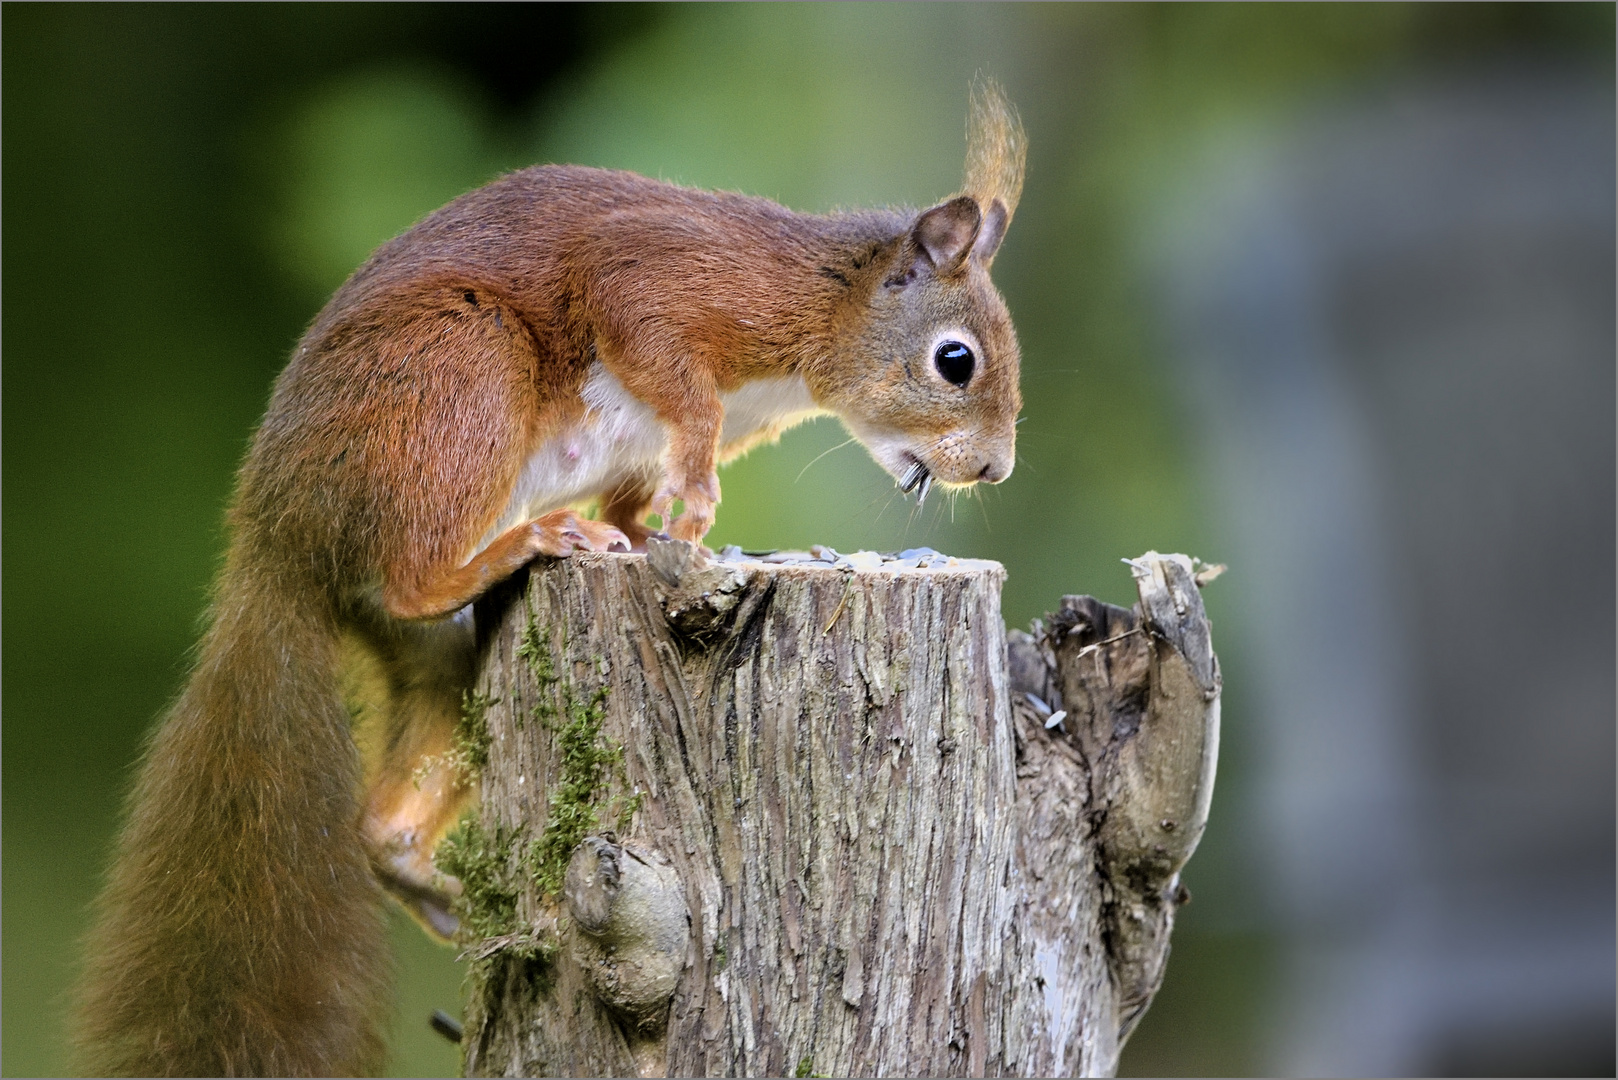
x=241, y=931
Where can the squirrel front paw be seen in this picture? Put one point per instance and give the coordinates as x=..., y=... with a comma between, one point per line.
x=700, y=498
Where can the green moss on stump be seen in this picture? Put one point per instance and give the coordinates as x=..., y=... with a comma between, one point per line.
x=482, y=861
x=489, y=865
x=589, y=760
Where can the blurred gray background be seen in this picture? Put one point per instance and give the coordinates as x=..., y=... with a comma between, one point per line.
x=1324, y=292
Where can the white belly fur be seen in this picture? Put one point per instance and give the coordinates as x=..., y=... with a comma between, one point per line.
x=619, y=436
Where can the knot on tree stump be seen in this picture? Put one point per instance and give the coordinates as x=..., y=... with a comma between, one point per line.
x=633, y=928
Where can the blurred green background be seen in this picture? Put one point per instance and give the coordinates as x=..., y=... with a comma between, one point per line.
x=184, y=185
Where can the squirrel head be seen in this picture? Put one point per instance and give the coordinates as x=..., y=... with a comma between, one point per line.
x=929, y=372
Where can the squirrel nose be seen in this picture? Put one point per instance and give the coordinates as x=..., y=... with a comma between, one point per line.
x=993, y=472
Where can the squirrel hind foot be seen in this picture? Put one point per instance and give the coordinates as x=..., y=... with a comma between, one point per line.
x=435, y=917
x=563, y=532
x=433, y=908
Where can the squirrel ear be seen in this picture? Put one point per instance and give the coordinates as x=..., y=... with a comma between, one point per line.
x=945, y=233
x=995, y=220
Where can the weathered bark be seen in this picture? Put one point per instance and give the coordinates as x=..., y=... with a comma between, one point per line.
x=834, y=826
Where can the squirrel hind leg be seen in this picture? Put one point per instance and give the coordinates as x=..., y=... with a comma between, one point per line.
x=410, y=680
x=406, y=816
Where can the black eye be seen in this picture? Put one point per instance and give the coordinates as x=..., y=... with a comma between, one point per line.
x=954, y=361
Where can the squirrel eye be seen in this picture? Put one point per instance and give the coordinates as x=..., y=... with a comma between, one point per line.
x=954, y=361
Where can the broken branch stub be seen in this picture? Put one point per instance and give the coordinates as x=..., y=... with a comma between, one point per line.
x=1141, y=688
x=813, y=821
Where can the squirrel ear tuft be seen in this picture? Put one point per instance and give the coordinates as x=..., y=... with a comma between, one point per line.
x=995, y=220
x=946, y=232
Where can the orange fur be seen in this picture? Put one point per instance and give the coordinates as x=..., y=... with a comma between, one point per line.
x=561, y=334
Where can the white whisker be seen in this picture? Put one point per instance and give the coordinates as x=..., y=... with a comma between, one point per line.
x=820, y=455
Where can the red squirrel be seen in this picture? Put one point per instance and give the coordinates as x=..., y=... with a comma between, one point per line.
x=560, y=336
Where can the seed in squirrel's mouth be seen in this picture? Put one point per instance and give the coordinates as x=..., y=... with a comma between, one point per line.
x=919, y=479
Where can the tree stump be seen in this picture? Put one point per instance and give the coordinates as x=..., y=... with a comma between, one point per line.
x=816, y=816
